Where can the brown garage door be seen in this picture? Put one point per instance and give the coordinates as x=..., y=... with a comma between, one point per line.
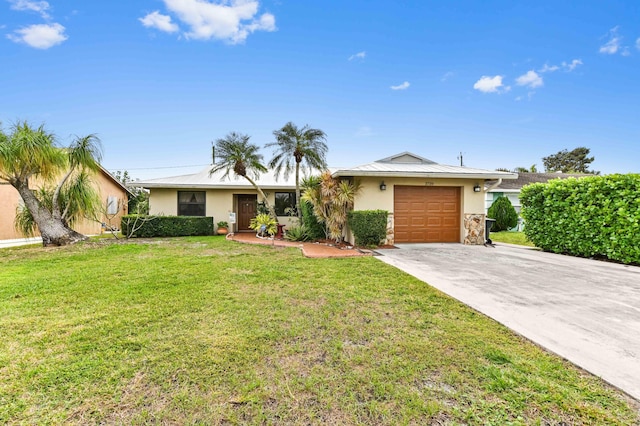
x=426, y=214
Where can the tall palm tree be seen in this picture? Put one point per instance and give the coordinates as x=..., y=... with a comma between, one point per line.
x=65, y=193
x=296, y=146
x=238, y=155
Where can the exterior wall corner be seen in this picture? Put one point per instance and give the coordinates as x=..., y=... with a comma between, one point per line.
x=474, y=232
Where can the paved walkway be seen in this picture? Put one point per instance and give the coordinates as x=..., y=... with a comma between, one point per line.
x=314, y=250
x=586, y=311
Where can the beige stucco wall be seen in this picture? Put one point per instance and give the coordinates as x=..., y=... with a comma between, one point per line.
x=10, y=200
x=371, y=197
x=219, y=202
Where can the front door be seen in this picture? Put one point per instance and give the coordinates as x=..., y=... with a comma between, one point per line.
x=246, y=210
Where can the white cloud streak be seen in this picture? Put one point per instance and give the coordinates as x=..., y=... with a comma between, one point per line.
x=39, y=7
x=364, y=131
x=158, y=21
x=565, y=66
x=612, y=46
x=228, y=20
x=638, y=43
x=359, y=55
x=531, y=79
x=488, y=84
x=446, y=76
x=42, y=36
x=402, y=86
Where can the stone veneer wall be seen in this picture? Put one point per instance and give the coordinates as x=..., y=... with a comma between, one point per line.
x=390, y=240
x=474, y=229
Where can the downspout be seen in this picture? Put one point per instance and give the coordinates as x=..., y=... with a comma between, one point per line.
x=495, y=185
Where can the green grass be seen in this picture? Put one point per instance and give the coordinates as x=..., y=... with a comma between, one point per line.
x=511, y=237
x=208, y=331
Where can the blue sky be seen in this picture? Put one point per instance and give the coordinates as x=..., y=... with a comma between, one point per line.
x=505, y=83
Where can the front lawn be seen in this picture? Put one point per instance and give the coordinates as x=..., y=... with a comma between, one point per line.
x=511, y=237
x=204, y=330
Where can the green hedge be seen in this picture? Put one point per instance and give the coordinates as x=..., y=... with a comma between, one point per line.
x=166, y=226
x=315, y=229
x=595, y=216
x=369, y=227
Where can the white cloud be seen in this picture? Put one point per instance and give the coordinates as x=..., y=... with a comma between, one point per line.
x=572, y=65
x=159, y=21
x=447, y=76
x=612, y=46
x=229, y=20
x=566, y=66
x=402, y=86
x=42, y=36
x=359, y=55
x=638, y=43
x=531, y=79
x=40, y=7
x=364, y=131
x=493, y=84
x=549, y=68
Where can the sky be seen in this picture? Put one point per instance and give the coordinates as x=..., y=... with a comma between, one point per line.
x=505, y=83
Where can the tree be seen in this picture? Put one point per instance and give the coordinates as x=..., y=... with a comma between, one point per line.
x=65, y=194
x=139, y=201
x=332, y=199
x=295, y=147
x=532, y=169
x=504, y=213
x=238, y=155
x=575, y=161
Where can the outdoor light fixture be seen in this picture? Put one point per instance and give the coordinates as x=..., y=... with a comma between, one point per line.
x=477, y=188
x=383, y=187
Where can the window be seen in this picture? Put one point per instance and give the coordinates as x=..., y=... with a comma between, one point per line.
x=285, y=201
x=191, y=203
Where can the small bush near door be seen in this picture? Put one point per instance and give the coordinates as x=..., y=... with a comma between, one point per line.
x=504, y=213
x=369, y=227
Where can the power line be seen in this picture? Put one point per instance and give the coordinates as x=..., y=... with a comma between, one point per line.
x=158, y=168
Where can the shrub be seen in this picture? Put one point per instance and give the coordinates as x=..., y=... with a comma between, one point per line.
x=264, y=224
x=504, y=213
x=297, y=233
x=165, y=226
x=315, y=229
x=369, y=227
x=596, y=216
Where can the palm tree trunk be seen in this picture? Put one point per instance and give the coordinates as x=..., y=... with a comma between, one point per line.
x=272, y=211
x=52, y=229
x=298, y=210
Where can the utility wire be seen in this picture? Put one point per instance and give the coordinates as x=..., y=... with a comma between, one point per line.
x=159, y=168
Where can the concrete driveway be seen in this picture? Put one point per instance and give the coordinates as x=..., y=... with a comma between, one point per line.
x=586, y=311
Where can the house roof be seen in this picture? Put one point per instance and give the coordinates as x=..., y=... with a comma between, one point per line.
x=528, y=178
x=116, y=181
x=407, y=164
x=203, y=180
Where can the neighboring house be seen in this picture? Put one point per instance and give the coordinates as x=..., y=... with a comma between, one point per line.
x=113, y=194
x=427, y=202
x=511, y=188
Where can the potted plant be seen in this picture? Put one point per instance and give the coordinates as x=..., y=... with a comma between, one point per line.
x=223, y=227
x=264, y=225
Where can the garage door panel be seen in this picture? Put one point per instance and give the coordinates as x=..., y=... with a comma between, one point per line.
x=426, y=214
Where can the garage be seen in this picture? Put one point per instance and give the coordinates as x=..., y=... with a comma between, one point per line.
x=426, y=214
